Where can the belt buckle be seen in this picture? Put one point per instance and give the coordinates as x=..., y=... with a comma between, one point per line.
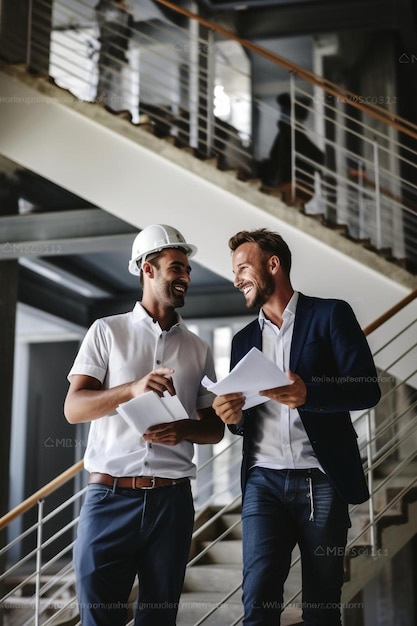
x=153, y=483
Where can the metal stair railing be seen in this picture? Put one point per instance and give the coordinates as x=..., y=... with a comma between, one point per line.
x=169, y=80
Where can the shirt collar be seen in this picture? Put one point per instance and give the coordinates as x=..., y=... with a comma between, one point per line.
x=289, y=310
x=141, y=315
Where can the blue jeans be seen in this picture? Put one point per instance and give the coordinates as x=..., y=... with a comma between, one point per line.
x=126, y=532
x=282, y=508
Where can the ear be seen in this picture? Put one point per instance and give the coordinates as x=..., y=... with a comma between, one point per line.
x=147, y=269
x=274, y=264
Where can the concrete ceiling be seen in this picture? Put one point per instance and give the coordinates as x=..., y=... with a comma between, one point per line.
x=73, y=256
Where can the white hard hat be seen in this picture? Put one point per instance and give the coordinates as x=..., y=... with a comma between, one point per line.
x=153, y=239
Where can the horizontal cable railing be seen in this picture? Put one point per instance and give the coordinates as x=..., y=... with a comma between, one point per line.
x=190, y=79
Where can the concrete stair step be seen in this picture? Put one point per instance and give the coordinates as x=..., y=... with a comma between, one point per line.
x=212, y=578
x=228, y=520
x=224, y=552
x=195, y=605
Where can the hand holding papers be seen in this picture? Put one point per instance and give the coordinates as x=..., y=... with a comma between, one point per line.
x=252, y=374
x=149, y=409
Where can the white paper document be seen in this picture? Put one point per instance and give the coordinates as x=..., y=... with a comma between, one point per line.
x=149, y=409
x=252, y=374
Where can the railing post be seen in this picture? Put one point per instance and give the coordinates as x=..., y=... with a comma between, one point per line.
x=292, y=122
x=210, y=122
x=38, y=562
x=370, y=481
x=193, y=83
x=361, y=200
x=377, y=197
x=29, y=34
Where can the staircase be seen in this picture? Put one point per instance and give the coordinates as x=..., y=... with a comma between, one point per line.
x=212, y=588
x=215, y=566
x=219, y=554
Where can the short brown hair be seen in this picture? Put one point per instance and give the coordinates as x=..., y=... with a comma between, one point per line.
x=269, y=242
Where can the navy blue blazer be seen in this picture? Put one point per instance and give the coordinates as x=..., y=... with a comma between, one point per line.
x=331, y=354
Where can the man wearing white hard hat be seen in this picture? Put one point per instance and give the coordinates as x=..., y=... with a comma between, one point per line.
x=138, y=515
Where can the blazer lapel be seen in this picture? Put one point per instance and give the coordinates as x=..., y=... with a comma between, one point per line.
x=303, y=317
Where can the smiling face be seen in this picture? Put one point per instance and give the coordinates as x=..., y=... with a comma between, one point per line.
x=171, y=277
x=252, y=275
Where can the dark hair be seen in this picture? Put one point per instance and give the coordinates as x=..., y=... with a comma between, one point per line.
x=269, y=242
x=301, y=106
x=153, y=258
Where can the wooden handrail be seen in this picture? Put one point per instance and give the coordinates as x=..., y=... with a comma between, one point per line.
x=41, y=493
x=390, y=313
x=75, y=469
x=401, y=124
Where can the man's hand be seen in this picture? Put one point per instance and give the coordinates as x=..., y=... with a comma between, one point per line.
x=229, y=407
x=292, y=395
x=87, y=400
x=168, y=434
x=159, y=380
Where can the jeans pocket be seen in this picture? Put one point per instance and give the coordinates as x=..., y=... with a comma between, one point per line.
x=96, y=494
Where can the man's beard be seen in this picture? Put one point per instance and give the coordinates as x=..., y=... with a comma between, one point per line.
x=170, y=297
x=263, y=290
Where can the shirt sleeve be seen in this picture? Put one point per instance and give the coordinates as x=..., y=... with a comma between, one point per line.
x=92, y=357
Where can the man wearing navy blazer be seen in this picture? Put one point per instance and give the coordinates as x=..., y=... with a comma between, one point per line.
x=301, y=463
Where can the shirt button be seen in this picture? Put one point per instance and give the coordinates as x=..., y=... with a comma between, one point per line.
x=146, y=463
x=158, y=362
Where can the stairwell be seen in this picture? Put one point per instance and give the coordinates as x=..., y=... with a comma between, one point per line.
x=142, y=174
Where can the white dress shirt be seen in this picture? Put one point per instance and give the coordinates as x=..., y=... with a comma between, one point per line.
x=122, y=348
x=281, y=441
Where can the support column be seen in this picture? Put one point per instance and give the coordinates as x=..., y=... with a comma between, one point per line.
x=8, y=301
x=40, y=28
x=25, y=33
x=14, y=21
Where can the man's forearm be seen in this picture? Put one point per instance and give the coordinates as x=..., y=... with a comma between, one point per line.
x=85, y=405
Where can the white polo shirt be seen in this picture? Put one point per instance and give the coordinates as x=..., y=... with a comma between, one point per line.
x=126, y=347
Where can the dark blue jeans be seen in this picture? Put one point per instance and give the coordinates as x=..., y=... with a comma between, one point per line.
x=129, y=532
x=282, y=508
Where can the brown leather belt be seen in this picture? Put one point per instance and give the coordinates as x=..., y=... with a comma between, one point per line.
x=133, y=482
